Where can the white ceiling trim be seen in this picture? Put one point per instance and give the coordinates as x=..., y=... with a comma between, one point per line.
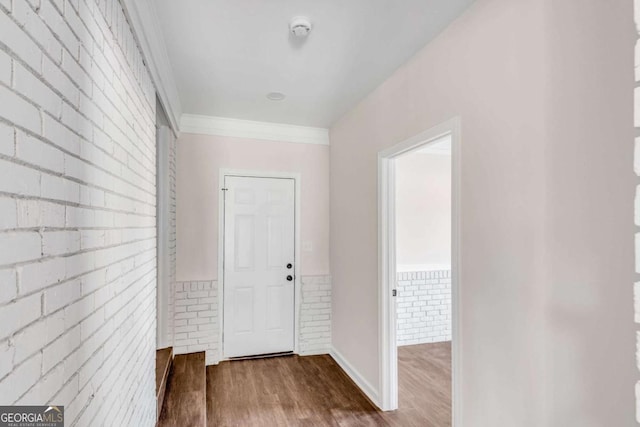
x=220, y=126
x=145, y=25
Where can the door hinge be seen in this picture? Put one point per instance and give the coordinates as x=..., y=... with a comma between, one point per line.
x=394, y=293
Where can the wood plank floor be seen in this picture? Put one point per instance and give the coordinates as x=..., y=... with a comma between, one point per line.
x=424, y=383
x=314, y=391
x=184, y=403
x=163, y=368
x=162, y=363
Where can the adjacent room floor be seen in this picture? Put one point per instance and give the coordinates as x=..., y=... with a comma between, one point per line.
x=314, y=391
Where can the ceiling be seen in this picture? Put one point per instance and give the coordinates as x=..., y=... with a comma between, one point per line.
x=227, y=55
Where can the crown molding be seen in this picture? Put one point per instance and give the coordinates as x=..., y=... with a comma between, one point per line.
x=220, y=126
x=146, y=28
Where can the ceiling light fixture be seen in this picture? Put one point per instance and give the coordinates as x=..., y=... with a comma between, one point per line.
x=276, y=96
x=300, y=26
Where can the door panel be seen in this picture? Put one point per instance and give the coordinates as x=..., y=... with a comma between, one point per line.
x=276, y=295
x=242, y=310
x=244, y=235
x=276, y=231
x=259, y=242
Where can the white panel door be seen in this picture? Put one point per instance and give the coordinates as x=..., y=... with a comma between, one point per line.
x=259, y=250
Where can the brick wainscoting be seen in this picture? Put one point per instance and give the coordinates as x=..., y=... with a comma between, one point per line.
x=196, y=318
x=424, y=307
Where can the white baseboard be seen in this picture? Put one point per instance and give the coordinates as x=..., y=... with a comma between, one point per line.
x=363, y=384
x=211, y=361
x=314, y=352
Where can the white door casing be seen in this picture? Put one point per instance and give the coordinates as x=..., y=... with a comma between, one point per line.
x=388, y=393
x=259, y=244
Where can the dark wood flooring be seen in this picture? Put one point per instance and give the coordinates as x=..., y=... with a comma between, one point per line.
x=184, y=402
x=163, y=367
x=314, y=391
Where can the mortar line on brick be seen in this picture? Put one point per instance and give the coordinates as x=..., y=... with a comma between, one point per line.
x=61, y=12
x=73, y=205
x=82, y=342
x=106, y=117
x=77, y=373
x=138, y=49
x=153, y=83
x=137, y=353
x=71, y=351
x=39, y=168
x=44, y=139
x=72, y=229
x=81, y=252
x=39, y=76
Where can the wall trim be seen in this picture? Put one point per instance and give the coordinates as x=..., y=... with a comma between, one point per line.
x=221, y=126
x=356, y=377
x=313, y=352
x=145, y=24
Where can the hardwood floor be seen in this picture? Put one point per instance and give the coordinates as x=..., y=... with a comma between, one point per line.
x=314, y=391
x=163, y=368
x=424, y=383
x=184, y=404
x=162, y=364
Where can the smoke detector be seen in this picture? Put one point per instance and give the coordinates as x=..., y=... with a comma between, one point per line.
x=276, y=96
x=300, y=26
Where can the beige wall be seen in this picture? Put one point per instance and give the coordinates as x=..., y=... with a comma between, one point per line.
x=589, y=217
x=200, y=158
x=423, y=212
x=543, y=90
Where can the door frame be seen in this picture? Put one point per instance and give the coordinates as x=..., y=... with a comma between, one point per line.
x=163, y=259
x=387, y=274
x=297, y=180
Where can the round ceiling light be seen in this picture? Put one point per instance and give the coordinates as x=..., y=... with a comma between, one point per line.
x=300, y=26
x=276, y=96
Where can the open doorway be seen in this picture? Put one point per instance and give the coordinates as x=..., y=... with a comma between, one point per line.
x=423, y=268
x=419, y=265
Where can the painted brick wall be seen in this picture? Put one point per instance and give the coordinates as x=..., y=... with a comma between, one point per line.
x=423, y=307
x=315, y=316
x=172, y=232
x=196, y=321
x=637, y=200
x=171, y=249
x=77, y=212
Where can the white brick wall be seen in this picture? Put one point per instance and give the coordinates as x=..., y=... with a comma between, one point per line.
x=637, y=198
x=423, y=307
x=314, y=330
x=195, y=321
x=172, y=232
x=77, y=212
x=196, y=327
x=170, y=214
